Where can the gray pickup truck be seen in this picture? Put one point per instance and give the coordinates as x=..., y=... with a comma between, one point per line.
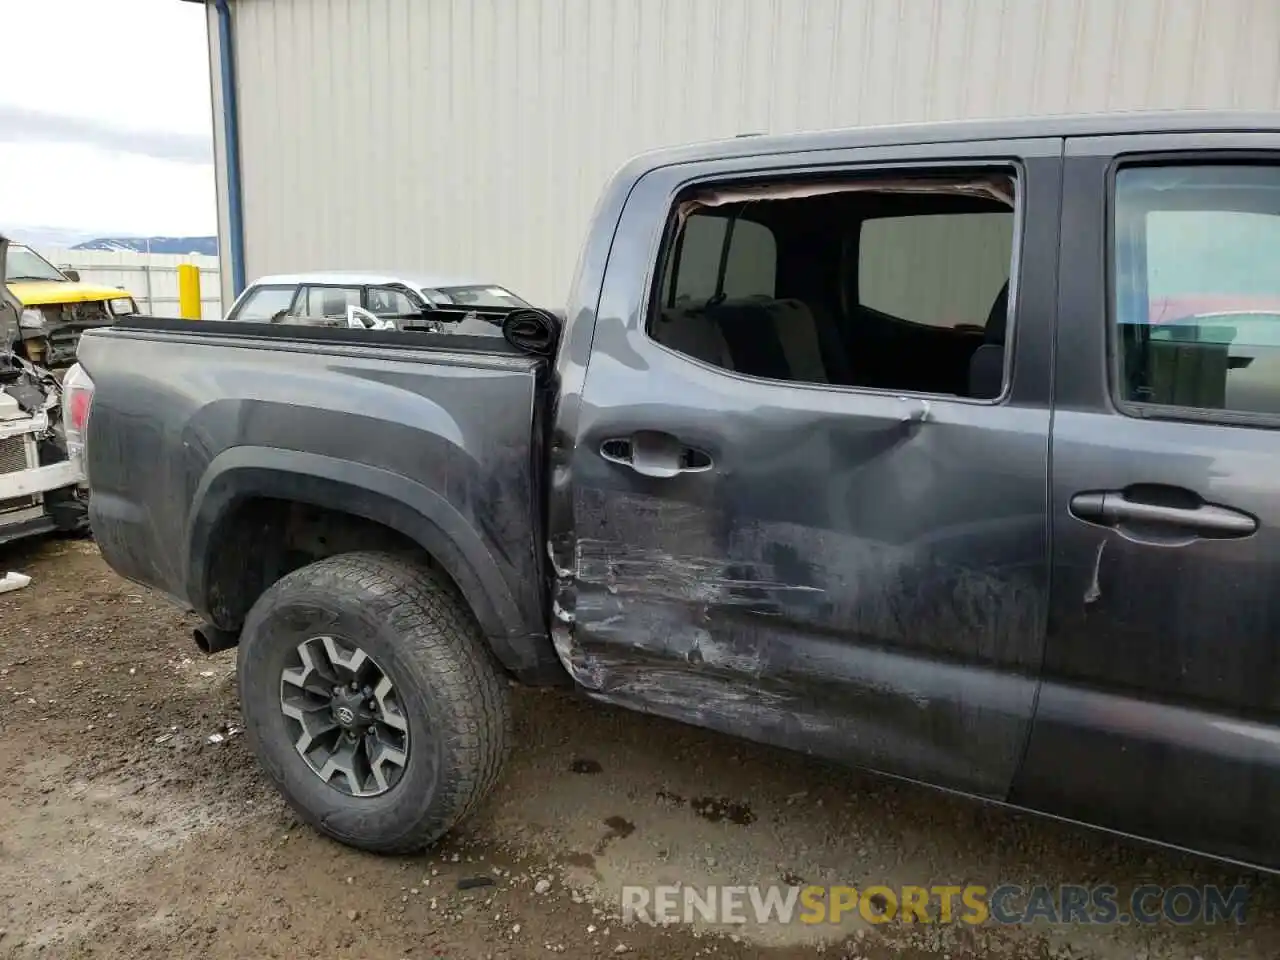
x=949, y=451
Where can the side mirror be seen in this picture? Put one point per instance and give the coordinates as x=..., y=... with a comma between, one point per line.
x=71, y=274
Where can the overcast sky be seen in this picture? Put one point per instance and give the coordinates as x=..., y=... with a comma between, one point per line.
x=104, y=117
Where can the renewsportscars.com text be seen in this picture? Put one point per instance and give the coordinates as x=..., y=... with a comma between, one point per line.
x=970, y=904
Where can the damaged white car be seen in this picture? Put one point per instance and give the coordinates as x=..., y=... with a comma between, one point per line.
x=41, y=489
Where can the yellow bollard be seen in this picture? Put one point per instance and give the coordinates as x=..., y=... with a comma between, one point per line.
x=189, y=291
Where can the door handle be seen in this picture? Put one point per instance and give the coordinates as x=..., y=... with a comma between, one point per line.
x=1117, y=508
x=652, y=453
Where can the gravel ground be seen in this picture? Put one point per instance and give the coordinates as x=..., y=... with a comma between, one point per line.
x=126, y=832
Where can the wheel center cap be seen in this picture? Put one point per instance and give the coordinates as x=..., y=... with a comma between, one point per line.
x=348, y=710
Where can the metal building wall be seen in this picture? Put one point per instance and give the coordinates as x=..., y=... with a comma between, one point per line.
x=472, y=136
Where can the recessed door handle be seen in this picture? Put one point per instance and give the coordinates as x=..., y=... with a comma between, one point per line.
x=1114, y=508
x=652, y=453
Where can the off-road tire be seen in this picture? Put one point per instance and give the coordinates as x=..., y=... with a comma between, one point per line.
x=414, y=624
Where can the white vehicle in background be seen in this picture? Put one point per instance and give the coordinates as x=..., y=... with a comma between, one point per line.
x=343, y=298
x=41, y=488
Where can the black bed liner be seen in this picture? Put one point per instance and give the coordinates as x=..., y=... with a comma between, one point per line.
x=317, y=334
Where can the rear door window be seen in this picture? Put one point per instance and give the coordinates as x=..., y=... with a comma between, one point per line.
x=329, y=301
x=390, y=302
x=1197, y=289
x=263, y=303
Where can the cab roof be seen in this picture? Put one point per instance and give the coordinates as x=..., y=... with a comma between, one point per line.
x=959, y=131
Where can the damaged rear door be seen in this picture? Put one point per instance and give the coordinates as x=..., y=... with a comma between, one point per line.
x=811, y=462
x=1160, y=710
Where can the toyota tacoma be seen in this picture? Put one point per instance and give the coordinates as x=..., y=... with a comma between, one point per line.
x=941, y=450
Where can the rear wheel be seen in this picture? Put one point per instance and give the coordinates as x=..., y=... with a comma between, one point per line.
x=371, y=700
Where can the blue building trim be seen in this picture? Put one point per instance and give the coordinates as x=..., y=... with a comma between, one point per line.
x=231, y=144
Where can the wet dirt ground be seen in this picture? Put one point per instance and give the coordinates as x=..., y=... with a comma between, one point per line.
x=133, y=823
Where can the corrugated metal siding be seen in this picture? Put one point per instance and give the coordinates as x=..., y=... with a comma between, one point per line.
x=472, y=136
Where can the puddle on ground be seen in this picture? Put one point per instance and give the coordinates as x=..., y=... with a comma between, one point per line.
x=619, y=828
x=716, y=809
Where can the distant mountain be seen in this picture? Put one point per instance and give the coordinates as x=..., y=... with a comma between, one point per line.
x=38, y=236
x=42, y=237
x=182, y=245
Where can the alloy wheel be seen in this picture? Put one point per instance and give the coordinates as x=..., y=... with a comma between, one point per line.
x=346, y=717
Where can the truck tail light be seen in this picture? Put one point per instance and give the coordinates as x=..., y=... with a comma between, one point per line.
x=78, y=409
x=77, y=404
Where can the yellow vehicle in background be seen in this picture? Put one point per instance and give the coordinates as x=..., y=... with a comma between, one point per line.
x=41, y=488
x=56, y=308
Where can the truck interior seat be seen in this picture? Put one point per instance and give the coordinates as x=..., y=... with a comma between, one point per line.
x=687, y=329
x=832, y=347
x=335, y=304
x=986, y=366
x=772, y=338
x=797, y=330
x=758, y=336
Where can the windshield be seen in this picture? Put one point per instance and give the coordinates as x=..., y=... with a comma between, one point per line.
x=23, y=263
x=482, y=297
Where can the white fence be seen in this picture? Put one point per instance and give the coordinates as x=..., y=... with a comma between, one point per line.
x=152, y=278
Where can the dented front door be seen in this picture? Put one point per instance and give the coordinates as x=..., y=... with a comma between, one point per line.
x=849, y=573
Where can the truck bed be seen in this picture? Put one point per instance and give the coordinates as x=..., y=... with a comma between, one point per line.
x=434, y=436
